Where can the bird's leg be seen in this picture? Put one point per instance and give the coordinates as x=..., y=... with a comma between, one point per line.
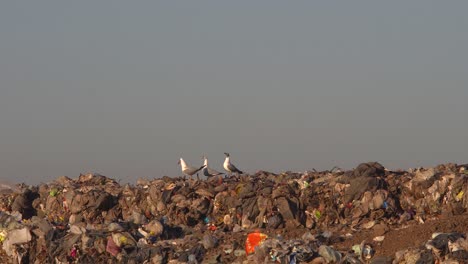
x=198, y=177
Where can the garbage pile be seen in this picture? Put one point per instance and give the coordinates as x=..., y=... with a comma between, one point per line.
x=260, y=218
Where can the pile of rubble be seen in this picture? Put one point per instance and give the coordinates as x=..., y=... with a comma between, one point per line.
x=261, y=218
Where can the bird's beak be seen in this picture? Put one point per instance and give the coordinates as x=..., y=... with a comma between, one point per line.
x=178, y=162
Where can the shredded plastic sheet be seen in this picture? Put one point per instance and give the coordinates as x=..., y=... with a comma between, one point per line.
x=253, y=240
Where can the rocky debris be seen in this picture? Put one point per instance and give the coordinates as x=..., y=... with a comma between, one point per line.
x=311, y=217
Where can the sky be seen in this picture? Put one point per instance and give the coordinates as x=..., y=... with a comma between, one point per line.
x=126, y=88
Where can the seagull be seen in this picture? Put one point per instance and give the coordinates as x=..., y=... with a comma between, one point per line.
x=209, y=172
x=229, y=167
x=188, y=170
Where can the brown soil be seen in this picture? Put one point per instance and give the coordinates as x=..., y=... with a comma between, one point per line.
x=412, y=236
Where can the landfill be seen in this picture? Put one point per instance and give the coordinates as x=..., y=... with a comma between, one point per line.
x=366, y=215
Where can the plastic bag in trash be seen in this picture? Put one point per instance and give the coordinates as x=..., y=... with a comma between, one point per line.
x=209, y=241
x=155, y=228
x=112, y=248
x=253, y=240
x=274, y=221
x=15, y=237
x=19, y=236
x=329, y=254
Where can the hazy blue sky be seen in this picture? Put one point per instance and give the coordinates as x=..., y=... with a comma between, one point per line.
x=125, y=88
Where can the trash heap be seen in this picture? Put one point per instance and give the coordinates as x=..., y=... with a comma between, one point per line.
x=260, y=218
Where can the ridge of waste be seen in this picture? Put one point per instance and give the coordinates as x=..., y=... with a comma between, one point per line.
x=364, y=215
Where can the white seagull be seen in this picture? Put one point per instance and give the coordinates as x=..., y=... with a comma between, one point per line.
x=189, y=170
x=209, y=172
x=229, y=167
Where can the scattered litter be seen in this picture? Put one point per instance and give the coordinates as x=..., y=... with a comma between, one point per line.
x=310, y=217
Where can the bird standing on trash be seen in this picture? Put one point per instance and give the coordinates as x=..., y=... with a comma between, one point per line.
x=209, y=172
x=229, y=167
x=189, y=170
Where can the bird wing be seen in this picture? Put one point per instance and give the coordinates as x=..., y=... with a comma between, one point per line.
x=233, y=168
x=191, y=170
x=212, y=172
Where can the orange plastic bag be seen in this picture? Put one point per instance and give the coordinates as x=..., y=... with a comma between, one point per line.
x=253, y=240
